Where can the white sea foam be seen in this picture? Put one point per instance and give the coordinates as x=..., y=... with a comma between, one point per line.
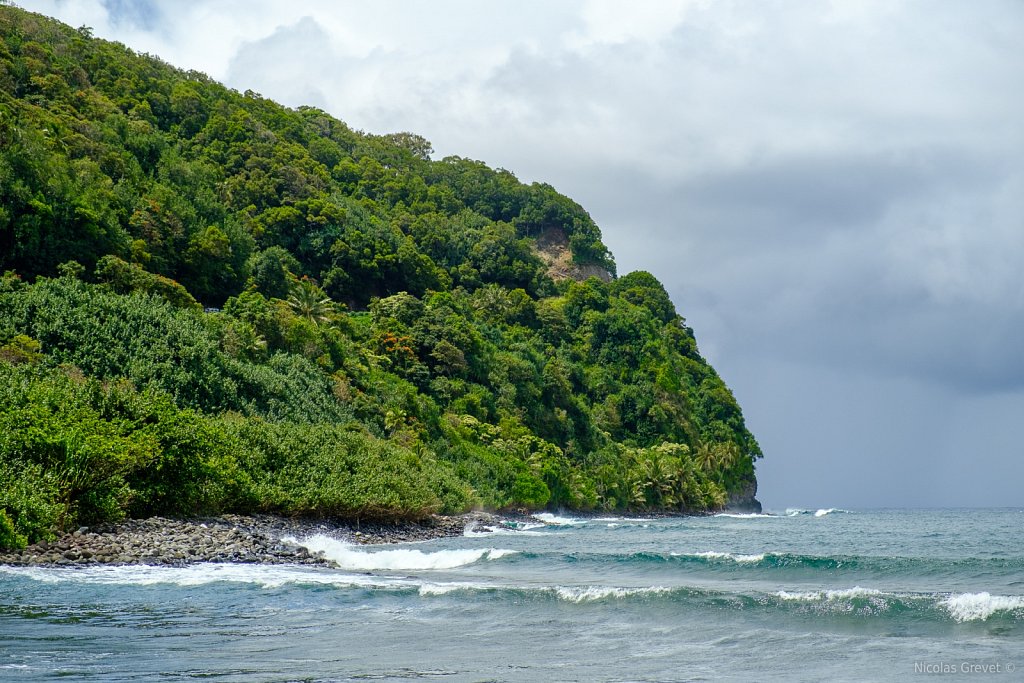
x=841, y=594
x=355, y=558
x=474, y=531
x=266, y=576
x=591, y=593
x=429, y=589
x=735, y=557
x=555, y=520
x=821, y=512
x=623, y=519
x=980, y=606
x=743, y=515
x=432, y=589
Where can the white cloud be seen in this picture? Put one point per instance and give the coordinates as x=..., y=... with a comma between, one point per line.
x=836, y=186
x=610, y=21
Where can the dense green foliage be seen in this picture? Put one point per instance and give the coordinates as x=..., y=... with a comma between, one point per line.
x=78, y=451
x=390, y=341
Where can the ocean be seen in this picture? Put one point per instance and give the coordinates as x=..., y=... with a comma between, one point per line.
x=797, y=595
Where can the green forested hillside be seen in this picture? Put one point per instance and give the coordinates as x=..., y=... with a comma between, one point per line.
x=213, y=302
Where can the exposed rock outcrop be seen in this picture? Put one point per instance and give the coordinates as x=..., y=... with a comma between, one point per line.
x=229, y=538
x=745, y=499
x=553, y=249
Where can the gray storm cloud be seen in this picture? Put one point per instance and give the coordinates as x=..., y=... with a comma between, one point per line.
x=832, y=192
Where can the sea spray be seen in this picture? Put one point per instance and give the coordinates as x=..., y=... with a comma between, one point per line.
x=981, y=606
x=746, y=515
x=715, y=555
x=357, y=558
x=820, y=512
x=196, y=575
x=557, y=520
x=884, y=588
x=475, y=530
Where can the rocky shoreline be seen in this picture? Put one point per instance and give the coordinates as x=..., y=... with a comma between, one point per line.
x=253, y=539
x=228, y=538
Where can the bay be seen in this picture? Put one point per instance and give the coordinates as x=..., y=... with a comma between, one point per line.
x=791, y=595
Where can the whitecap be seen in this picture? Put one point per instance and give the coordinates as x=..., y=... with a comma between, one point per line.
x=980, y=606
x=591, y=593
x=429, y=589
x=433, y=589
x=820, y=512
x=474, y=531
x=735, y=557
x=743, y=515
x=471, y=531
x=839, y=594
x=200, y=574
x=355, y=558
x=623, y=519
x=801, y=596
x=855, y=592
x=555, y=520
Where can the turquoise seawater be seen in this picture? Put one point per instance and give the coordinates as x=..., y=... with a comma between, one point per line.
x=815, y=595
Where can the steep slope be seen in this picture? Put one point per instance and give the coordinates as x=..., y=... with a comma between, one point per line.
x=435, y=309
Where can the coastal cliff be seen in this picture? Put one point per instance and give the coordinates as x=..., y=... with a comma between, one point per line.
x=212, y=304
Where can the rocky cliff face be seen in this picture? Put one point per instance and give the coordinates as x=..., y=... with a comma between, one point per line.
x=745, y=499
x=553, y=248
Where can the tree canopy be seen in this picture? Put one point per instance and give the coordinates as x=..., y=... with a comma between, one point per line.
x=346, y=325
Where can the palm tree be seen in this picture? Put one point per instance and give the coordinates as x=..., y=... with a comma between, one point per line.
x=492, y=300
x=705, y=457
x=309, y=301
x=717, y=457
x=714, y=496
x=659, y=480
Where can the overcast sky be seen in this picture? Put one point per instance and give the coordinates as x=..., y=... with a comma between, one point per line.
x=832, y=192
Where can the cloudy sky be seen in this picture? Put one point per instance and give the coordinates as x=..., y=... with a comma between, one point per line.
x=832, y=192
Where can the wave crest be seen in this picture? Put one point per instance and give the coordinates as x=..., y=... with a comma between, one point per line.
x=980, y=606
x=354, y=558
x=820, y=512
x=556, y=520
x=840, y=594
x=714, y=555
x=580, y=594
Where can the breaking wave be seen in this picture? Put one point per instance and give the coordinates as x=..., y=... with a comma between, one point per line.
x=980, y=606
x=556, y=520
x=357, y=558
x=475, y=530
x=821, y=512
x=714, y=555
x=855, y=602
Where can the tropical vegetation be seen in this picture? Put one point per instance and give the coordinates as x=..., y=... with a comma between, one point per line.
x=212, y=302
